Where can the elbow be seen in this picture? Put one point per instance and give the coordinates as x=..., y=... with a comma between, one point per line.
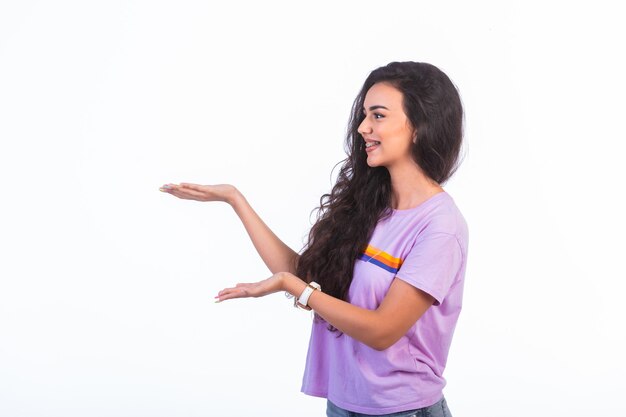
x=379, y=346
x=381, y=343
x=380, y=337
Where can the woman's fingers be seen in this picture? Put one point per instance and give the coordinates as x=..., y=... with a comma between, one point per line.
x=188, y=193
x=216, y=192
x=252, y=289
x=229, y=293
x=167, y=187
x=183, y=191
x=193, y=191
x=191, y=186
x=183, y=186
x=241, y=290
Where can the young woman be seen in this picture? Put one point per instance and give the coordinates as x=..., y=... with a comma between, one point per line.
x=384, y=265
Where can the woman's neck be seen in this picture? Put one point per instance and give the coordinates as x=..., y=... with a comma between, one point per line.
x=410, y=186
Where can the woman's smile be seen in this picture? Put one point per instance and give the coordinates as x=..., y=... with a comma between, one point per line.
x=371, y=144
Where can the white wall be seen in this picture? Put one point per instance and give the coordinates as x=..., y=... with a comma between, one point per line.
x=107, y=284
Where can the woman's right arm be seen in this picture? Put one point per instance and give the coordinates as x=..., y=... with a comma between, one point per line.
x=275, y=253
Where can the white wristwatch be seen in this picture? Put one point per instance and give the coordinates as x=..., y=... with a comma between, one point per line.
x=303, y=300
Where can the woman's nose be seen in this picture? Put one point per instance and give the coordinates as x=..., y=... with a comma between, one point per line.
x=364, y=127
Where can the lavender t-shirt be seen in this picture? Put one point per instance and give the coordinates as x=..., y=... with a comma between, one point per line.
x=425, y=246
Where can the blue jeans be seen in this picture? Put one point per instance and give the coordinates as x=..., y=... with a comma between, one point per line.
x=439, y=409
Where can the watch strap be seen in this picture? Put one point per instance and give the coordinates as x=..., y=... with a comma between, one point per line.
x=303, y=300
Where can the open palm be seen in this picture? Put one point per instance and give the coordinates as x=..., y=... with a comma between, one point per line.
x=254, y=289
x=187, y=191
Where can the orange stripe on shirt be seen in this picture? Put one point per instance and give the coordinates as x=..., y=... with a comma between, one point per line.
x=382, y=256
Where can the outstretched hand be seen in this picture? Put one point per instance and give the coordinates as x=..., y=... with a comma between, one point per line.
x=187, y=191
x=255, y=289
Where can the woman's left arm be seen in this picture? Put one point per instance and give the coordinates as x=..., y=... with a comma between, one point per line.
x=403, y=305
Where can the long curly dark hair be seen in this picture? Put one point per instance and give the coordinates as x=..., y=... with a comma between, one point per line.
x=346, y=217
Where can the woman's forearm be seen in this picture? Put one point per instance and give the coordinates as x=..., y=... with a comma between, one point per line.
x=275, y=253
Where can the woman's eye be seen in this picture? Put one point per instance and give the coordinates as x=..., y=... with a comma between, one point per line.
x=378, y=114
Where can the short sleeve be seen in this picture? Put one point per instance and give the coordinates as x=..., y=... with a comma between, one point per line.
x=433, y=264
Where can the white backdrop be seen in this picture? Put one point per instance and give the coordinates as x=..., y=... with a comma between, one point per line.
x=107, y=284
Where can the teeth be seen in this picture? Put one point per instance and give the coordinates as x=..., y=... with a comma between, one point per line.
x=368, y=144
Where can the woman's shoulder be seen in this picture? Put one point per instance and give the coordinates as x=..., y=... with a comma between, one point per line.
x=446, y=217
x=439, y=215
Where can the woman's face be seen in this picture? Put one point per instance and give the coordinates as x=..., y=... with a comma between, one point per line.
x=385, y=122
